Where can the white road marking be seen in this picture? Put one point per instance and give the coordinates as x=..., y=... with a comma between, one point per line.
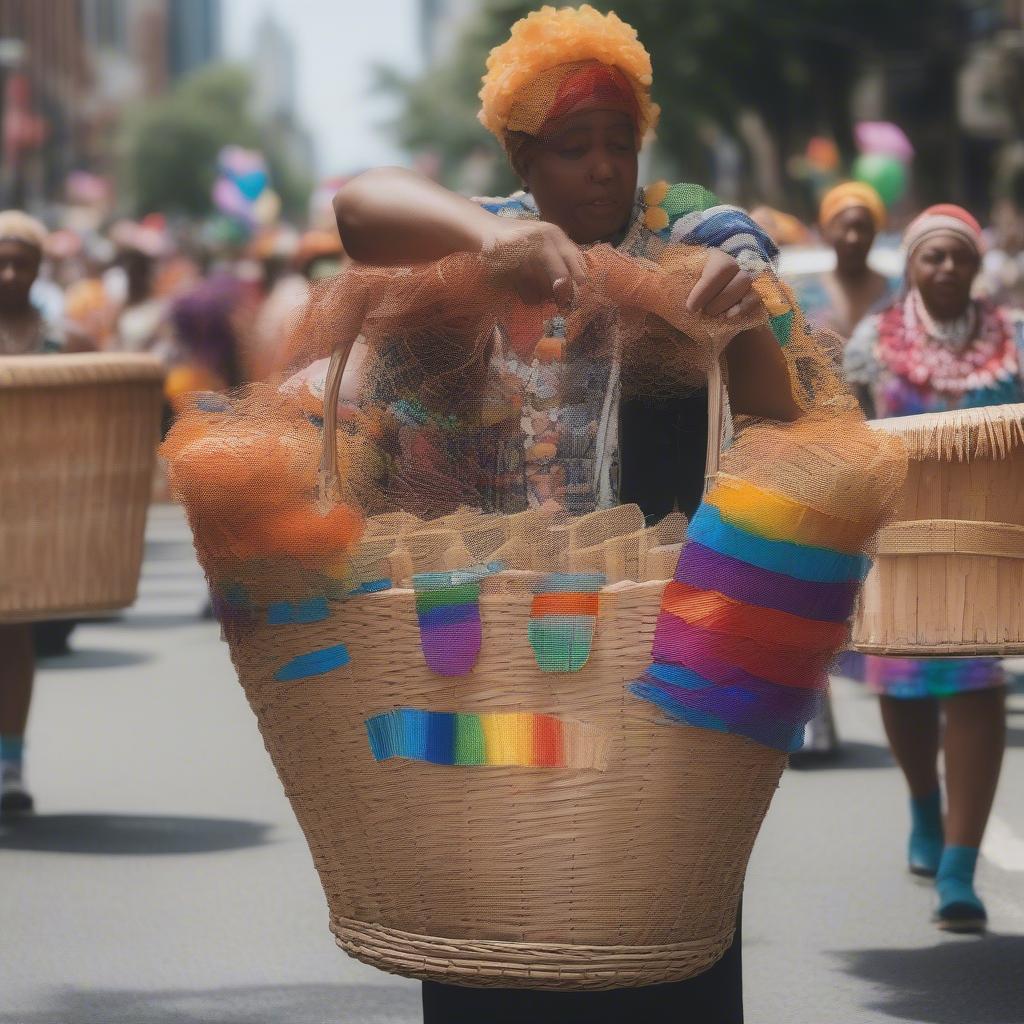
x=1002, y=847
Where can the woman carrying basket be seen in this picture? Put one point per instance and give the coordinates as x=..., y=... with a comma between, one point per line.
x=937, y=350
x=572, y=126
x=530, y=361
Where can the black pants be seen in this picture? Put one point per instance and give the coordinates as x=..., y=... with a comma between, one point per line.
x=662, y=450
x=714, y=997
x=662, y=447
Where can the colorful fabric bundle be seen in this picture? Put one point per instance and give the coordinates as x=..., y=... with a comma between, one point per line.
x=448, y=609
x=523, y=739
x=754, y=616
x=687, y=214
x=562, y=620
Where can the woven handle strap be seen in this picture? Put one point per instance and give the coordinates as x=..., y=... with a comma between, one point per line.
x=952, y=536
x=716, y=416
x=328, y=480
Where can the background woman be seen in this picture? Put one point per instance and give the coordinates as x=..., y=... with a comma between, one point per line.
x=935, y=350
x=23, y=331
x=850, y=216
x=568, y=97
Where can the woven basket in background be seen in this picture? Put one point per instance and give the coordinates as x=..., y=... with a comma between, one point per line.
x=949, y=574
x=78, y=437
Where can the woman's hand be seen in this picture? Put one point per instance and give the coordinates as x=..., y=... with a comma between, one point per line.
x=535, y=258
x=723, y=289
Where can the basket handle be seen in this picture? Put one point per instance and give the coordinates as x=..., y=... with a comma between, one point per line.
x=716, y=419
x=329, y=482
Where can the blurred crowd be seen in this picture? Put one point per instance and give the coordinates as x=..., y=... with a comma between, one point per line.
x=213, y=314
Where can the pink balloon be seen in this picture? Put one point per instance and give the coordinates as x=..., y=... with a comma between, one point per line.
x=229, y=200
x=883, y=138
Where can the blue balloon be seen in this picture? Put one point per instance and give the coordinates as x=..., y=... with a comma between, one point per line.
x=252, y=183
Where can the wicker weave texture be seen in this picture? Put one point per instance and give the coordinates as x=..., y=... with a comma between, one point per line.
x=78, y=438
x=531, y=877
x=948, y=576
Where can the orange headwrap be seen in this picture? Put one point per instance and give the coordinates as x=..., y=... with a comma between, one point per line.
x=557, y=62
x=850, y=194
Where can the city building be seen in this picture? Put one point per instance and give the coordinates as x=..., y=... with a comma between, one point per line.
x=69, y=70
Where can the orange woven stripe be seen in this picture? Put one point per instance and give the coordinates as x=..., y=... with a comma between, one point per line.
x=548, y=748
x=564, y=604
x=712, y=610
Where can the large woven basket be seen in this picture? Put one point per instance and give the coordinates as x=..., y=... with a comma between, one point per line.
x=948, y=579
x=78, y=437
x=624, y=872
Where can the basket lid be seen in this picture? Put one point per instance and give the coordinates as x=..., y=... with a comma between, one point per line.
x=994, y=432
x=78, y=368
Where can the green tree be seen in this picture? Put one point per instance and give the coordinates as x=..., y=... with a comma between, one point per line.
x=168, y=146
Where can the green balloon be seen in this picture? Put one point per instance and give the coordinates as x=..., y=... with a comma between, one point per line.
x=885, y=174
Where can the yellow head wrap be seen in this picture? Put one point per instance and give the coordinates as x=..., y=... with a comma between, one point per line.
x=850, y=194
x=16, y=226
x=526, y=77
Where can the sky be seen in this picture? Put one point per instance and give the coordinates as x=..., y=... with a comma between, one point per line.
x=338, y=42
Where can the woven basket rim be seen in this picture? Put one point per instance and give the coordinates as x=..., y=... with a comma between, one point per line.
x=618, y=587
x=77, y=368
x=991, y=432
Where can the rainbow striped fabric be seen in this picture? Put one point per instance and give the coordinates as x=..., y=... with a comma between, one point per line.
x=562, y=619
x=755, y=614
x=448, y=609
x=517, y=738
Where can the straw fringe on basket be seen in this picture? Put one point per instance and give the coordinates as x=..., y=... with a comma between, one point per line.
x=78, y=437
x=959, y=436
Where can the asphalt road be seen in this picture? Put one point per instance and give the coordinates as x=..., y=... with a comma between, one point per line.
x=164, y=880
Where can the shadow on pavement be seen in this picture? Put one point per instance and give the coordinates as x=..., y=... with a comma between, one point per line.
x=96, y=657
x=265, y=1004
x=133, y=834
x=852, y=754
x=961, y=980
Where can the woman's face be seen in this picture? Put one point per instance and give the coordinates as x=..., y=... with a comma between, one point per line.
x=582, y=172
x=19, y=265
x=851, y=233
x=942, y=269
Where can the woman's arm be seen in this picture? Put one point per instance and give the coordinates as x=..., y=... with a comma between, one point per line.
x=758, y=377
x=391, y=216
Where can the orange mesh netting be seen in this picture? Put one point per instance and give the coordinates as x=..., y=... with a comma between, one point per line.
x=470, y=410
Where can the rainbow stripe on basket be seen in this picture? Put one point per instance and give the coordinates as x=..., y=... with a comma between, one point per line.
x=448, y=609
x=562, y=620
x=756, y=612
x=518, y=738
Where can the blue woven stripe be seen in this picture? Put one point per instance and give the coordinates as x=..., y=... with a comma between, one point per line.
x=284, y=612
x=315, y=663
x=449, y=615
x=816, y=565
